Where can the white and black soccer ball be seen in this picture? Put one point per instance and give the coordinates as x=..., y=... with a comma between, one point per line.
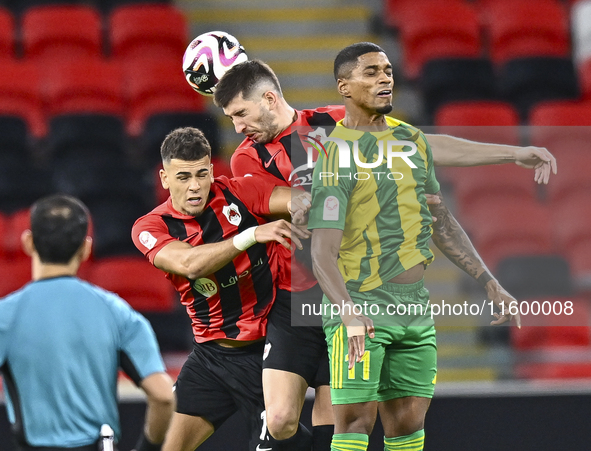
x=208, y=57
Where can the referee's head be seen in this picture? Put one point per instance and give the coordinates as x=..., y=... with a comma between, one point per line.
x=59, y=228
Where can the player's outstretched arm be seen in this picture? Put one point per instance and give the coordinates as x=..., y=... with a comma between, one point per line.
x=325, y=251
x=452, y=151
x=451, y=239
x=194, y=262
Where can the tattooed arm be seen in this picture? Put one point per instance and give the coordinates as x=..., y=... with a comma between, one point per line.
x=451, y=239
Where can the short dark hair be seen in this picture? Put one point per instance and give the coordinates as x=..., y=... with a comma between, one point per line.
x=242, y=79
x=346, y=60
x=186, y=143
x=59, y=225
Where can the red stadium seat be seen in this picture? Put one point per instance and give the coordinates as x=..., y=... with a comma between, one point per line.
x=561, y=113
x=477, y=114
x=507, y=181
x=4, y=227
x=138, y=31
x=584, y=70
x=547, y=341
x=88, y=85
x=562, y=127
x=15, y=265
x=501, y=228
x=142, y=285
x=573, y=174
x=484, y=121
x=571, y=217
x=15, y=274
x=163, y=91
x=439, y=30
x=6, y=34
x=20, y=94
x=526, y=28
x=18, y=222
x=396, y=11
x=61, y=32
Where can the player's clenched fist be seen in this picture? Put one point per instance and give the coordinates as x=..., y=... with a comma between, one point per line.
x=298, y=208
x=280, y=231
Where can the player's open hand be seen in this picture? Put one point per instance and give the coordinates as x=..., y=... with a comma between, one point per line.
x=503, y=300
x=356, y=330
x=539, y=159
x=281, y=231
x=298, y=207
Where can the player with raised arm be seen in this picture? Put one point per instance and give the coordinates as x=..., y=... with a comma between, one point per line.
x=371, y=228
x=250, y=94
x=221, y=255
x=62, y=341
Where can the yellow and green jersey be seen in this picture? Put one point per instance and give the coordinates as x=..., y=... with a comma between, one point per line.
x=372, y=186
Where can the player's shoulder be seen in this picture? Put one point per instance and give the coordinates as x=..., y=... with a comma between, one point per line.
x=329, y=114
x=246, y=147
x=395, y=122
x=9, y=306
x=164, y=209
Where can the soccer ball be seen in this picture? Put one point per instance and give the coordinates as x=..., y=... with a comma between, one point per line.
x=208, y=57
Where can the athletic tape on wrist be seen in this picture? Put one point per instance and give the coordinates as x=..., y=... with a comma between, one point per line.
x=245, y=239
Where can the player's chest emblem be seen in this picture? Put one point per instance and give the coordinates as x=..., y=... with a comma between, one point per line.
x=232, y=214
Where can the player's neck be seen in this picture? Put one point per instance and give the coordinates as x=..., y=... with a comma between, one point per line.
x=287, y=116
x=41, y=270
x=358, y=118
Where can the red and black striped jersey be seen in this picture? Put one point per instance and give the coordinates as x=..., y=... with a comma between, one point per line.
x=283, y=162
x=234, y=301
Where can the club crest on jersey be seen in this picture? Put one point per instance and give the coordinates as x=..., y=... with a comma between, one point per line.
x=232, y=214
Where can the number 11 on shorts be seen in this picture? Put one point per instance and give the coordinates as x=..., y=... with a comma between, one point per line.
x=364, y=362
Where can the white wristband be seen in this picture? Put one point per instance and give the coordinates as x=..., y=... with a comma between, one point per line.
x=245, y=239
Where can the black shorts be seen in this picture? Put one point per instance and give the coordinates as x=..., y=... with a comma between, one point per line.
x=295, y=348
x=215, y=382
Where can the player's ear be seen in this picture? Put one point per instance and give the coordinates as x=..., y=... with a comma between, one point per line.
x=164, y=179
x=27, y=242
x=211, y=171
x=271, y=99
x=343, y=87
x=86, y=249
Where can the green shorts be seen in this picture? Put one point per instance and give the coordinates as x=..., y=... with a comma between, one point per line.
x=402, y=358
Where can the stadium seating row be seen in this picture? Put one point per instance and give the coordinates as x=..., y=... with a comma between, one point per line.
x=74, y=31
x=513, y=29
x=134, y=90
x=19, y=6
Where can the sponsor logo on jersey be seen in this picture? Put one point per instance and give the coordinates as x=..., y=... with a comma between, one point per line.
x=205, y=286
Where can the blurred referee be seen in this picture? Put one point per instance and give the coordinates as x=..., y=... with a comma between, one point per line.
x=62, y=341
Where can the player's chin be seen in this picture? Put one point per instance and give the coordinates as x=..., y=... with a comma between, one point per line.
x=384, y=109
